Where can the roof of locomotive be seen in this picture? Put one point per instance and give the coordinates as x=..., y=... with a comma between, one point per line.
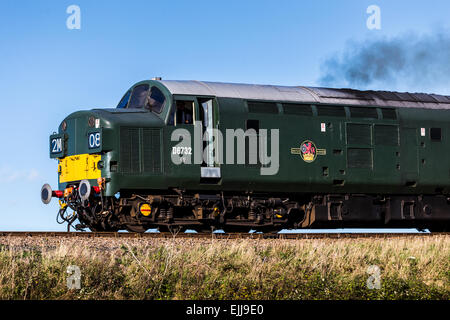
x=308, y=94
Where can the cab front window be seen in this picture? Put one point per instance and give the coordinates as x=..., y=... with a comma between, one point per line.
x=139, y=97
x=156, y=100
x=144, y=97
x=123, y=103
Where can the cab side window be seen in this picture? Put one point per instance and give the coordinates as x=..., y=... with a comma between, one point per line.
x=183, y=113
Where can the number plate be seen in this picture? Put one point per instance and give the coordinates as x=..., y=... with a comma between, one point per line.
x=56, y=145
x=57, y=149
x=94, y=140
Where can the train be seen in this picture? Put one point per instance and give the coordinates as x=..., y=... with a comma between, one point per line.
x=181, y=154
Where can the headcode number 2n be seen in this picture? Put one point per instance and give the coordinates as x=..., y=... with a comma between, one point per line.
x=56, y=145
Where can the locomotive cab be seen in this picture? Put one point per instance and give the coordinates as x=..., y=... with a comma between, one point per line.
x=102, y=150
x=85, y=145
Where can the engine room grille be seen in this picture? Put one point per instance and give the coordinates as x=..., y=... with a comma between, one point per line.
x=129, y=150
x=386, y=135
x=359, y=158
x=359, y=134
x=151, y=150
x=140, y=150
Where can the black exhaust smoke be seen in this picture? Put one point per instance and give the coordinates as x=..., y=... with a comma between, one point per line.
x=419, y=62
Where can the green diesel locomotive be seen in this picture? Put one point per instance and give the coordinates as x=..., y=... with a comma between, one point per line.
x=207, y=155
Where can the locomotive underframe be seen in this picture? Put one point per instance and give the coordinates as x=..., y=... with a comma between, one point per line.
x=241, y=212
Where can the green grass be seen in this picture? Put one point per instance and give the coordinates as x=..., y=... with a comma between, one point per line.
x=410, y=268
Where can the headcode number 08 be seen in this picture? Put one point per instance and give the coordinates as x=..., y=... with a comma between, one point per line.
x=94, y=140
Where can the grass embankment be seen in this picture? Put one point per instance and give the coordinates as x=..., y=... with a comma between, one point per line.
x=410, y=268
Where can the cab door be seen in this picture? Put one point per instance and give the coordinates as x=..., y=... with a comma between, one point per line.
x=212, y=141
x=180, y=135
x=194, y=152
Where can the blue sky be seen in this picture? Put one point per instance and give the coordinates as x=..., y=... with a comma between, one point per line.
x=48, y=71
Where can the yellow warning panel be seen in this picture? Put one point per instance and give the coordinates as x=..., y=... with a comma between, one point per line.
x=146, y=209
x=79, y=167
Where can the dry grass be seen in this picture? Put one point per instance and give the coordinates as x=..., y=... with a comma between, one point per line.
x=411, y=268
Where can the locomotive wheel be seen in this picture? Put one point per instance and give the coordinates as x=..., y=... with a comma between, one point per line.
x=95, y=229
x=135, y=228
x=99, y=228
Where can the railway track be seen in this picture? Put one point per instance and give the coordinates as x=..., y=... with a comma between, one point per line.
x=165, y=235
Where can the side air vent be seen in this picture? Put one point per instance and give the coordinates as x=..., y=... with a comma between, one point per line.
x=359, y=134
x=330, y=111
x=386, y=135
x=297, y=109
x=362, y=112
x=389, y=114
x=359, y=158
x=262, y=107
x=140, y=150
x=129, y=150
x=151, y=147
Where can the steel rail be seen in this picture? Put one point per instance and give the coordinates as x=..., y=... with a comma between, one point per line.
x=166, y=235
